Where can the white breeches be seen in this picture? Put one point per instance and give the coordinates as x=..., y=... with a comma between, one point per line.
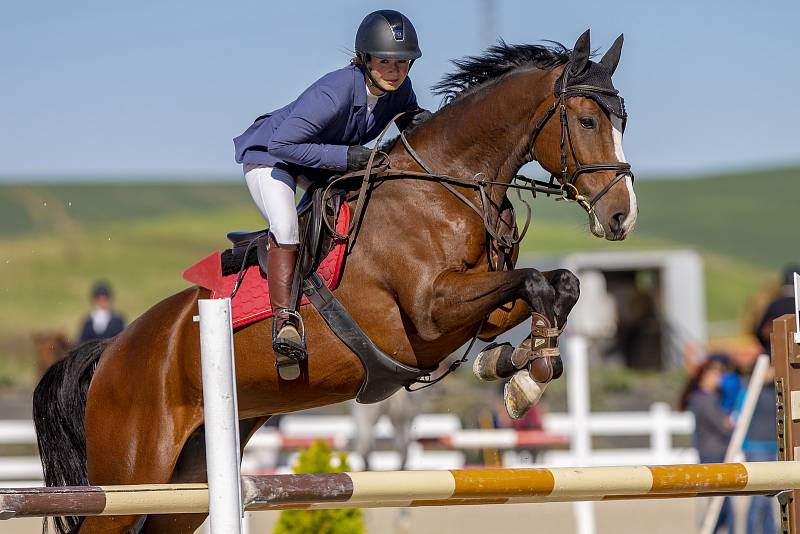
x=273, y=191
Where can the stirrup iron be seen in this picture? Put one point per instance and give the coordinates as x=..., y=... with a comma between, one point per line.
x=288, y=354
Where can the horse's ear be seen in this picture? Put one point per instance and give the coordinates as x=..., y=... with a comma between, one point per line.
x=580, y=54
x=611, y=57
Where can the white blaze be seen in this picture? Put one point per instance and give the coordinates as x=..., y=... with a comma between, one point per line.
x=616, y=134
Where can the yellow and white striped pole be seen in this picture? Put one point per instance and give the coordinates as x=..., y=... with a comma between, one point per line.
x=416, y=488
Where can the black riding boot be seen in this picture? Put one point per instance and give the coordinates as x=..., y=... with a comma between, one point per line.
x=287, y=341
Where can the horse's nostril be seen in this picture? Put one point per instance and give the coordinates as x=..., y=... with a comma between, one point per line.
x=616, y=221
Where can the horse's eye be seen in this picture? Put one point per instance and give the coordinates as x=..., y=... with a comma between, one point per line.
x=587, y=122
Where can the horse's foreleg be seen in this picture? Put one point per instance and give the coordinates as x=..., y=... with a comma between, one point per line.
x=549, y=297
x=567, y=289
x=507, y=317
x=504, y=319
x=461, y=299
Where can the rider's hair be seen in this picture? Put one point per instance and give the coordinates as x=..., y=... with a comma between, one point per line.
x=357, y=59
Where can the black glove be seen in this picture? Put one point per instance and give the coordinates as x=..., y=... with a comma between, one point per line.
x=414, y=118
x=358, y=156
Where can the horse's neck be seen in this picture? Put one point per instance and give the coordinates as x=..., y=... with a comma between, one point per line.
x=488, y=132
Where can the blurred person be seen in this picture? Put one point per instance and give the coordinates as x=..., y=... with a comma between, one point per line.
x=712, y=430
x=781, y=304
x=532, y=420
x=731, y=385
x=321, y=132
x=401, y=410
x=760, y=446
x=102, y=322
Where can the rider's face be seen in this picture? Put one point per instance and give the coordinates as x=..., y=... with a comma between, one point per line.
x=390, y=74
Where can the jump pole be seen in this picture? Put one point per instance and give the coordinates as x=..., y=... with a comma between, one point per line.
x=224, y=493
x=415, y=488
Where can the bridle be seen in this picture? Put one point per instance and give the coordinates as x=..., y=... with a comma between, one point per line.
x=568, y=188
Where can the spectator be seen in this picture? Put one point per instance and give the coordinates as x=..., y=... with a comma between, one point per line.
x=782, y=304
x=102, y=322
x=730, y=386
x=712, y=426
x=760, y=446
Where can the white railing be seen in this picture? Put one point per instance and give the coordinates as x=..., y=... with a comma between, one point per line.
x=264, y=449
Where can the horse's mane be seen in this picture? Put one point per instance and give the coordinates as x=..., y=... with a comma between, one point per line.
x=473, y=72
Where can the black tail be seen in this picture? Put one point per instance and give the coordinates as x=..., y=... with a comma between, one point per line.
x=59, y=402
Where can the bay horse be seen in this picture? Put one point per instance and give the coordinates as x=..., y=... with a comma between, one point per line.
x=417, y=280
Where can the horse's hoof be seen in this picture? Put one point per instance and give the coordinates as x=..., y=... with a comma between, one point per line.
x=493, y=362
x=520, y=393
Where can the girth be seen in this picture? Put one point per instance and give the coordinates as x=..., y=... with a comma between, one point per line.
x=383, y=374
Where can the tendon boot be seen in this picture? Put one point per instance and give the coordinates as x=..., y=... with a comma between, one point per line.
x=288, y=339
x=537, y=361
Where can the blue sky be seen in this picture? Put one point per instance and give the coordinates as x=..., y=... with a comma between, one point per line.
x=100, y=89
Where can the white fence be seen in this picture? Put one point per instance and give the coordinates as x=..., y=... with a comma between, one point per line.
x=265, y=452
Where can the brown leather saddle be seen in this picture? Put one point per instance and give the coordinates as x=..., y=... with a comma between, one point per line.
x=250, y=248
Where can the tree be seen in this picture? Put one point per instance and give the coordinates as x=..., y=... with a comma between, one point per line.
x=318, y=459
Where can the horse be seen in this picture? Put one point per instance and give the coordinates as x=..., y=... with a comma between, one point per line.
x=417, y=280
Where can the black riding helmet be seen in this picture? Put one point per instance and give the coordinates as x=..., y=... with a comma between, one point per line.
x=387, y=34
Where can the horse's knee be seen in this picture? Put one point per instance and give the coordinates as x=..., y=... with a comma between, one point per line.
x=567, y=285
x=539, y=292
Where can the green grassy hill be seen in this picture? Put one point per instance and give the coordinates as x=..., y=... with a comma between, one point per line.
x=749, y=216
x=56, y=239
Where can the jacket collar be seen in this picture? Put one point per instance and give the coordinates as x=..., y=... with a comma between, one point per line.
x=360, y=88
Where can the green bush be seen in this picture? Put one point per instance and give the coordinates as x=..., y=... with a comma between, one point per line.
x=317, y=459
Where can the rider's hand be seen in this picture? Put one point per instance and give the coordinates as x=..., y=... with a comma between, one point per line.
x=358, y=156
x=413, y=118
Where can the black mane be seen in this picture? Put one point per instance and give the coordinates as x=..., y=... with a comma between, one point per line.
x=499, y=59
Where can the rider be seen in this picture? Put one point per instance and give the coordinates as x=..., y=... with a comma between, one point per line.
x=323, y=131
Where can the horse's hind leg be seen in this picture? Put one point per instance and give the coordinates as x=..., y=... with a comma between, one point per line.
x=130, y=442
x=191, y=467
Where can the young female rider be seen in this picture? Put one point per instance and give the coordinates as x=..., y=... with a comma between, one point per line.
x=322, y=131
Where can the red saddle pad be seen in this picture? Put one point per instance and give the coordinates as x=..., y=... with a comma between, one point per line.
x=251, y=302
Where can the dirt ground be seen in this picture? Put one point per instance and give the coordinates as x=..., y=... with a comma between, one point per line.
x=669, y=516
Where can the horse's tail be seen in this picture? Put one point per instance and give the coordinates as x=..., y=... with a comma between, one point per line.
x=59, y=402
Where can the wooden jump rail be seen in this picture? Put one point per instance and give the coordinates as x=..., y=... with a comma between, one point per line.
x=415, y=488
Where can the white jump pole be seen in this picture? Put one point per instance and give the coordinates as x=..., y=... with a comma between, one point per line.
x=578, y=394
x=221, y=421
x=754, y=387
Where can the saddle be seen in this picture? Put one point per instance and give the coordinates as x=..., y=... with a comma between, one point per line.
x=383, y=375
x=250, y=248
